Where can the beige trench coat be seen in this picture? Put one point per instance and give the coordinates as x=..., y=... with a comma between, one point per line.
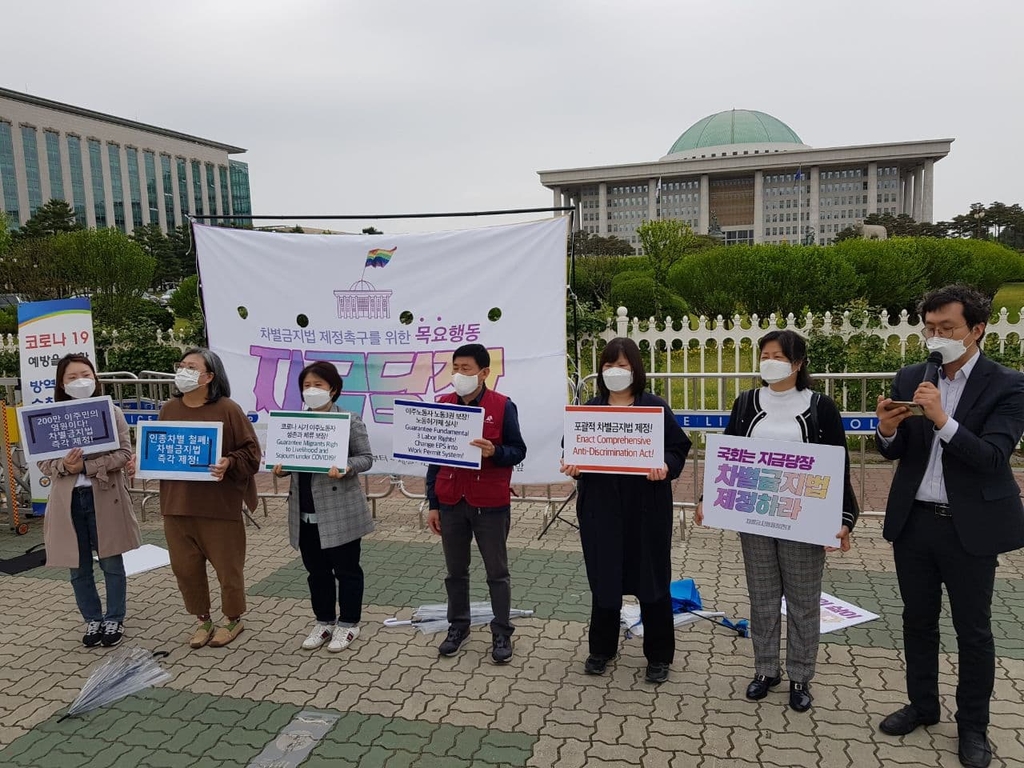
x=117, y=529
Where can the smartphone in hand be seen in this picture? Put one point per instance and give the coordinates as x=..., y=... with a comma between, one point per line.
x=915, y=409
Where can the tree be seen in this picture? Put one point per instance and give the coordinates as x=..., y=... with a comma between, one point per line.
x=5, y=235
x=588, y=244
x=37, y=270
x=181, y=244
x=156, y=244
x=184, y=302
x=54, y=217
x=110, y=266
x=371, y=231
x=665, y=243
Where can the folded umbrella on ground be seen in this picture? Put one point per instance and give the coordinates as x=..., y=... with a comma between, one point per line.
x=430, y=619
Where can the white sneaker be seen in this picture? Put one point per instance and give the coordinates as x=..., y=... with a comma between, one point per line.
x=343, y=636
x=319, y=635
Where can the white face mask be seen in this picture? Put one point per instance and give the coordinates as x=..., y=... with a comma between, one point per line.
x=186, y=380
x=773, y=371
x=465, y=385
x=617, y=379
x=316, y=398
x=80, y=388
x=950, y=349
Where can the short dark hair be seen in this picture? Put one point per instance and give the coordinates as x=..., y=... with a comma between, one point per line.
x=59, y=394
x=219, y=387
x=326, y=371
x=977, y=306
x=794, y=348
x=627, y=348
x=477, y=351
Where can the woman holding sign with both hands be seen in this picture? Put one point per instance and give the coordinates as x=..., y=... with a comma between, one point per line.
x=327, y=518
x=626, y=525
x=786, y=409
x=88, y=510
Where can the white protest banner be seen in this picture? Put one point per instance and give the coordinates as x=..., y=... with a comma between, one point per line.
x=838, y=614
x=48, y=330
x=50, y=430
x=307, y=441
x=437, y=433
x=776, y=488
x=614, y=440
x=388, y=311
x=177, y=450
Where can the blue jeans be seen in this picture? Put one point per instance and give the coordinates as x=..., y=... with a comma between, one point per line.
x=83, y=582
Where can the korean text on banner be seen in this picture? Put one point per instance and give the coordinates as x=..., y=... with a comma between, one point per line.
x=51, y=430
x=177, y=450
x=838, y=614
x=308, y=441
x=776, y=488
x=388, y=312
x=48, y=330
x=614, y=440
x=437, y=433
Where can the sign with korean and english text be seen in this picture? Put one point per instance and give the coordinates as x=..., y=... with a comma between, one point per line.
x=50, y=430
x=614, y=440
x=786, y=490
x=177, y=450
x=437, y=433
x=838, y=614
x=308, y=441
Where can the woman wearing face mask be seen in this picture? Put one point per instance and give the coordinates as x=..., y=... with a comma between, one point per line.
x=89, y=510
x=203, y=521
x=786, y=409
x=626, y=526
x=327, y=518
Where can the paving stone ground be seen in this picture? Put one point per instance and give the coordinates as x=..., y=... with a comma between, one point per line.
x=402, y=705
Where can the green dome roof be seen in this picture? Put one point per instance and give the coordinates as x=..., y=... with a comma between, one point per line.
x=735, y=126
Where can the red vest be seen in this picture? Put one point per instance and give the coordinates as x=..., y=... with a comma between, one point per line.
x=489, y=485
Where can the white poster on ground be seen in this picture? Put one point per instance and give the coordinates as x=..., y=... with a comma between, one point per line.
x=388, y=311
x=838, y=614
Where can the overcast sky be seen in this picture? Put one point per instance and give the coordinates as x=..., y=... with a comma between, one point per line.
x=449, y=105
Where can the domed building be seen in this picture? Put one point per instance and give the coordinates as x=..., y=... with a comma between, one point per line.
x=747, y=177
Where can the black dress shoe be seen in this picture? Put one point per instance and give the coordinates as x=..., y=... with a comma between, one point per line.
x=596, y=665
x=800, y=696
x=657, y=672
x=904, y=721
x=974, y=750
x=759, y=686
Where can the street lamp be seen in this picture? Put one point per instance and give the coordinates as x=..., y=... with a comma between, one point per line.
x=978, y=216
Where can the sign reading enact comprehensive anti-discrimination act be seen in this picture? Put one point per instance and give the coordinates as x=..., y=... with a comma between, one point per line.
x=775, y=488
x=613, y=439
x=437, y=433
x=178, y=450
x=51, y=430
x=308, y=441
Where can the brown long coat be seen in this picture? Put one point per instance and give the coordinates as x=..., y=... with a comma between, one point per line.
x=117, y=529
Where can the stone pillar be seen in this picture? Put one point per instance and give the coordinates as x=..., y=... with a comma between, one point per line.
x=652, y=199
x=918, y=193
x=814, y=214
x=758, y=207
x=907, y=201
x=20, y=177
x=872, y=188
x=556, y=197
x=602, y=209
x=927, y=192
x=704, y=217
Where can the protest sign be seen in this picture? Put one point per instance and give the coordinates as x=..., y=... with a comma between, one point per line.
x=307, y=441
x=437, y=433
x=838, y=614
x=177, y=450
x=614, y=440
x=50, y=430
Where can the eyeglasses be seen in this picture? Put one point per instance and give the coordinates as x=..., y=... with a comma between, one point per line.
x=940, y=332
x=186, y=367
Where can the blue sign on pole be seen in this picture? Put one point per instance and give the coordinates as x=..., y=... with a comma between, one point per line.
x=714, y=421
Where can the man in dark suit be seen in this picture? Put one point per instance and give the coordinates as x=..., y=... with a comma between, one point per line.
x=953, y=507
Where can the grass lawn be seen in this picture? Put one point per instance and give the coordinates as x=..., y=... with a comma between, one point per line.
x=1011, y=296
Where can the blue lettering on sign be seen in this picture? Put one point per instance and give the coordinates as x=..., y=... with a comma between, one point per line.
x=854, y=424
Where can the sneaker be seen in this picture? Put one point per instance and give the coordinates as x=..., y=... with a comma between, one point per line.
x=501, y=649
x=319, y=635
x=113, y=631
x=226, y=634
x=93, y=634
x=596, y=665
x=451, y=644
x=657, y=672
x=342, y=637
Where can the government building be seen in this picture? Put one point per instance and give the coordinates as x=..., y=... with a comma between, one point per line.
x=114, y=172
x=746, y=177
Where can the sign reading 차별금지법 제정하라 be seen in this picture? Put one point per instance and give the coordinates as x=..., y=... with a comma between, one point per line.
x=614, y=440
x=437, y=433
x=308, y=441
x=50, y=430
x=47, y=331
x=777, y=488
x=177, y=450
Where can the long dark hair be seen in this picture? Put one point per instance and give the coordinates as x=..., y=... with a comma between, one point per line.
x=794, y=348
x=627, y=348
x=59, y=394
x=219, y=386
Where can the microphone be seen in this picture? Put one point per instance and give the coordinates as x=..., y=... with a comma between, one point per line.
x=931, y=368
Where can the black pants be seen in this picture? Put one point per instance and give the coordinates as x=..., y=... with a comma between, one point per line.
x=327, y=566
x=928, y=554
x=489, y=526
x=659, y=630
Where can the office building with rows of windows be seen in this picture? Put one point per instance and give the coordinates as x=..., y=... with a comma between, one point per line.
x=113, y=172
x=746, y=177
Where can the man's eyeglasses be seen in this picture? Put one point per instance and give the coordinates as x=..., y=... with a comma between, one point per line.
x=940, y=332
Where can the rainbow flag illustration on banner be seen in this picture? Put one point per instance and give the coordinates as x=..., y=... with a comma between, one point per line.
x=379, y=257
